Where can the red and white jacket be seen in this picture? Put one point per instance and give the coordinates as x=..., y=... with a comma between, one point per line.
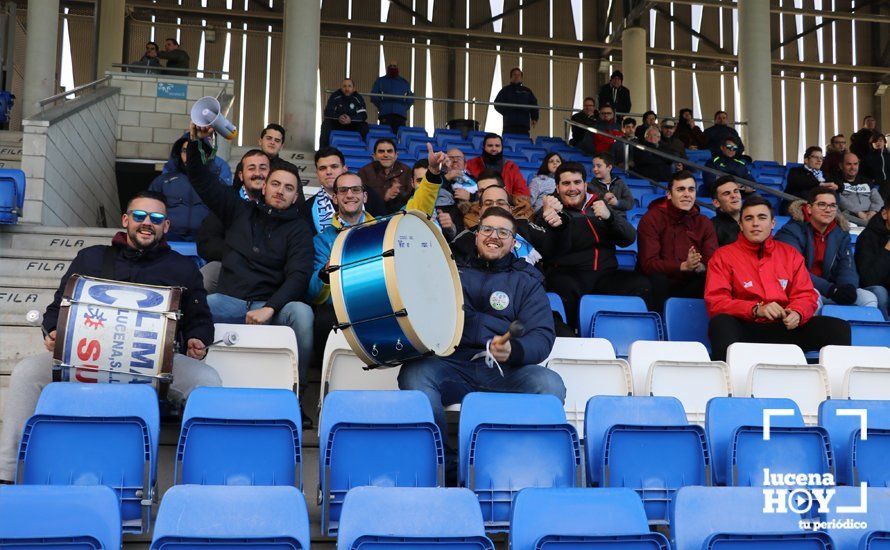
x=743, y=274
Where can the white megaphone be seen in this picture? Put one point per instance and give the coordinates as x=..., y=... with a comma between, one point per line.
x=206, y=112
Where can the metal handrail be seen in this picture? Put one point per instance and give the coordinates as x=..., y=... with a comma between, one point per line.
x=687, y=163
x=62, y=95
x=515, y=105
x=161, y=70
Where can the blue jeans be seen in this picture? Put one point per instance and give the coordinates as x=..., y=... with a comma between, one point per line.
x=296, y=315
x=446, y=381
x=883, y=296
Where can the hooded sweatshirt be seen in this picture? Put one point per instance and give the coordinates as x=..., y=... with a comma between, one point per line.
x=872, y=256
x=665, y=235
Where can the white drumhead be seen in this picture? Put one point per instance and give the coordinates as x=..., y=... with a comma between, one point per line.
x=426, y=283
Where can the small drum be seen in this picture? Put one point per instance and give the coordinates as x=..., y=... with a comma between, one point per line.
x=395, y=290
x=116, y=332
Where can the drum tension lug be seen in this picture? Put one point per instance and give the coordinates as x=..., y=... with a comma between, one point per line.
x=342, y=326
x=331, y=268
x=401, y=313
x=389, y=253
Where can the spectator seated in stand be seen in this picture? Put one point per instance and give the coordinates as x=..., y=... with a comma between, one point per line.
x=492, y=158
x=588, y=265
x=622, y=153
x=345, y=110
x=803, y=179
x=457, y=180
x=822, y=235
x=690, y=134
x=581, y=138
x=185, y=210
x=759, y=290
x=856, y=195
x=444, y=202
x=607, y=125
x=727, y=160
x=716, y=135
x=519, y=206
x=860, y=139
x=650, y=119
x=873, y=256
x=676, y=242
x=386, y=179
x=670, y=142
x=834, y=157
x=649, y=164
x=876, y=164
x=726, y=196
x=271, y=142
x=614, y=191
x=543, y=183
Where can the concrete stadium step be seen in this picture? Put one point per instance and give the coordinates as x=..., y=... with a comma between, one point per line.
x=16, y=300
x=18, y=343
x=40, y=237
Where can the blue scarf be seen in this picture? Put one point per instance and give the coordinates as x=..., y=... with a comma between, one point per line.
x=817, y=173
x=322, y=211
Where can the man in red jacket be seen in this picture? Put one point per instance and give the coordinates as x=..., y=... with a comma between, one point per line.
x=492, y=158
x=759, y=290
x=676, y=242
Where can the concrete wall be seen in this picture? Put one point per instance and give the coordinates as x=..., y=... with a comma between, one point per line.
x=147, y=124
x=68, y=156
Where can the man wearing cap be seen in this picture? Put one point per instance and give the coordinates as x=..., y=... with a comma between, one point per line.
x=670, y=143
x=614, y=93
x=391, y=111
x=727, y=161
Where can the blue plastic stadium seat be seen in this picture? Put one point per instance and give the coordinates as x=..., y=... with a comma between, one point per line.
x=869, y=333
x=853, y=313
x=698, y=156
x=340, y=138
x=644, y=444
x=511, y=141
x=686, y=320
x=634, y=215
x=557, y=519
x=876, y=516
x=382, y=438
x=639, y=193
x=240, y=436
x=624, y=328
x=648, y=198
x=627, y=256
x=740, y=452
x=557, y=305
x=356, y=150
x=591, y=304
x=409, y=132
x=385, y=518
x=781, y=221
x=196, y=517
x=187, y=248
x=355, y=163
x=723, y=518
x=380, y=133
x=45, y=517
x=96, y=434
x=12, y=195
x=858, y=460
x=635, y=183
x=512, y=441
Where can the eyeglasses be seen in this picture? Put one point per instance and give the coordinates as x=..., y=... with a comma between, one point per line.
x=500, y=202
x=827, y=206
x=488, y=231
x=355, y=190
x=139, y=216
x=456, y=158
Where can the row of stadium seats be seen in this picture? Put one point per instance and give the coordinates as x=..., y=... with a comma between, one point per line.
x=107, y=434
x=705, y=518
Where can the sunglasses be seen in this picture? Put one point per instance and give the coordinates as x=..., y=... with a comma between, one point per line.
x=139, y=216
x=732, y=147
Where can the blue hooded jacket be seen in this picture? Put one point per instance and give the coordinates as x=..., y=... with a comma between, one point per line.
x=392, y=85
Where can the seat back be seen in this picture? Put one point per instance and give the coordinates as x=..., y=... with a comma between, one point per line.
x=259, y=356
x=96, y=434
x=806, y=385
x=623, y=329
x=843, y=419
x=512, y=441
x=724, y=415
x=382, y=517
x=686, y=320
x=837, y=360
x=382, y=438
x=546, y=517
x=591, y=304
x=557, y=305
x=694, y=384
x=12, y=195
x=741, y=356
x=343, y=370
x=853, y=313
x=70, y=518
x=723, y=517
x=192, y=517
x=240, y=436
x=868, y=333
x=875, y=515
x=867, y=383
x=643, y=353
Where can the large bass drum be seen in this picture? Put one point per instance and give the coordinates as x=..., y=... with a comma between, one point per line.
x=396, y=291
x=116, y=332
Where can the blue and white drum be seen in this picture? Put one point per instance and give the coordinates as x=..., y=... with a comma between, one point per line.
x=396, y=291
x=115, y=332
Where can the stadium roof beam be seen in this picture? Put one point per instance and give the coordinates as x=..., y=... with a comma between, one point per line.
x=685, y=26
x=412, y=12
x=503, y=14
x=825, y=14
x=825, y=21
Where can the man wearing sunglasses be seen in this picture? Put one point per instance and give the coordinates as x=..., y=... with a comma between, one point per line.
x=821, y=233
x=498, y=289
x=266, y=271
x=729, y=162
x=139, y=254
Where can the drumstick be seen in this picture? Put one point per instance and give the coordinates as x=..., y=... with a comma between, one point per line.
x=516, y=329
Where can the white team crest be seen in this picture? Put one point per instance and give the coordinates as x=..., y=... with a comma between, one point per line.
x=748, y=284
x=499, y=300
x=784, y=283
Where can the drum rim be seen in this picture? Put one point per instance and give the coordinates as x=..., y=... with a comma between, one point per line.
x=339, y=303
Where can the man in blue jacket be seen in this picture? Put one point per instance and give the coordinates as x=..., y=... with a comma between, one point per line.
x=391, y=111
x=345, y=111
x=822, y=236
x=517, y=120
x=498, y=288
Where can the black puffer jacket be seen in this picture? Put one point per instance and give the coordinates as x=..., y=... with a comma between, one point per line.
x=270, y=251
x=872, y=256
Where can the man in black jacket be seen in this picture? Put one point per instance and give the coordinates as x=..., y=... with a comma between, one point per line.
x=726, y=195
x=803, y=179
x=139, y=254
x=614, y=93
x=267, y=267
x=873, y=257
x=176, y=57
x=345, y=110
x=517, y=120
